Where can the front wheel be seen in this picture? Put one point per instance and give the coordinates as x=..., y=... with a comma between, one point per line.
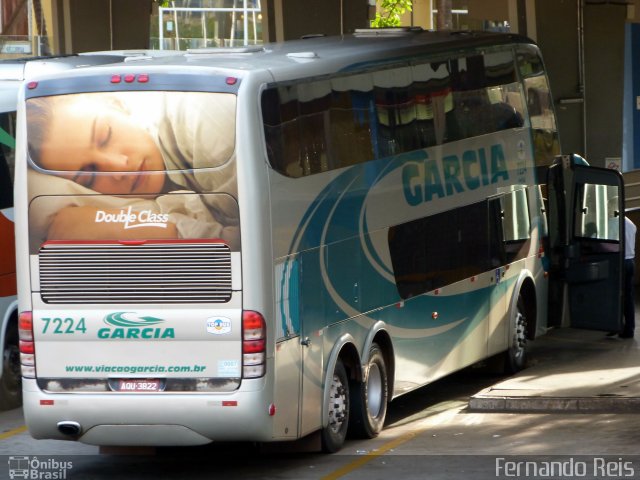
x=516, y=355
x=369, y=398
x=334, y=434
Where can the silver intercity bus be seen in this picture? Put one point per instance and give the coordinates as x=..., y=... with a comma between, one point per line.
x=267, y=242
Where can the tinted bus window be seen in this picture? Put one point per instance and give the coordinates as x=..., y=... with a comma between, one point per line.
x=320, y=125
x=540, y=108
x=442, y=249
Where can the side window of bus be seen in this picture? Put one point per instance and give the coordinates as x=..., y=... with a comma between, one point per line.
x=319, y=125
x=395, y=108
x=350, y=120
x=539, y=106
x=596, y=224
x=316, y=126
x=313, y=103
x=464, y=246
x=486, y=95
x=273, y=129
x=540, y=208
x=290, y=114
x=431, y=90
x=515, y=224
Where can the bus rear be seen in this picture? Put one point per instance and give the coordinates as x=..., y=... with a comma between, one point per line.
x=132, y=325
x=13, y=72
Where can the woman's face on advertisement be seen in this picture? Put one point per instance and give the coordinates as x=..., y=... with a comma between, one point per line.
x=102, y=148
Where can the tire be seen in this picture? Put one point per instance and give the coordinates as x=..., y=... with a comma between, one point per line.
x=334, y=434
x=369, y=399
x=516, y=355
x=11, y=381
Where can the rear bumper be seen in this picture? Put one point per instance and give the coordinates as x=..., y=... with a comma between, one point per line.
x=168, y=419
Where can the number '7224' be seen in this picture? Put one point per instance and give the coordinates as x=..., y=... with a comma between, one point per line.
x=59, y=326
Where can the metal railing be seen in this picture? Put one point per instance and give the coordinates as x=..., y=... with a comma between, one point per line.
x=12, y=46
x=244, y=21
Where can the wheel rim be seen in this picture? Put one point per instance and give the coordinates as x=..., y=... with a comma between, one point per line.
x=337, y=404
x=374, y=390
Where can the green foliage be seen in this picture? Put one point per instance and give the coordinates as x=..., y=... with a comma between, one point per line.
x=391, y=11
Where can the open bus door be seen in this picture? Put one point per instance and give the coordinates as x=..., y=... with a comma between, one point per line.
x=585, y=244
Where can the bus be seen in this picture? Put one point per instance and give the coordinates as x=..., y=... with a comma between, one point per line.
x=12, y=73
x=272, y=242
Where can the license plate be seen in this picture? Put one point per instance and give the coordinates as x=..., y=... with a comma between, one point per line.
x=138, y=385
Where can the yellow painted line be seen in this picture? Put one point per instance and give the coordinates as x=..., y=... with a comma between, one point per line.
x=370, y=456
x=11, y=433
x=424, y=424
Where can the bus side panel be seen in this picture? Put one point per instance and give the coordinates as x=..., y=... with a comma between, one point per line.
x=341, y=229
x=498, y=328
x=287, y=387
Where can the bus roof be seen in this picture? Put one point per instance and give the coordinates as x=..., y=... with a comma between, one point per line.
x=325, y=55
x=16, y=70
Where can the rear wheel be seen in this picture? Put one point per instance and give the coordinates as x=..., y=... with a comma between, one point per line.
x=516, y=355
x=11, y=381
x=369, y=398
x=334, y=434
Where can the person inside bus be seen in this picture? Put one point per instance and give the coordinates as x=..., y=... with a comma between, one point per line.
x=94, y=143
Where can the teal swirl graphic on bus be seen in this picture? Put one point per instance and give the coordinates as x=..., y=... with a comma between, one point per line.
x=117, y=319
x=334, y=271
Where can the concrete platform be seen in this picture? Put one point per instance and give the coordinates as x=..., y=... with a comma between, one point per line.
x=571, y=370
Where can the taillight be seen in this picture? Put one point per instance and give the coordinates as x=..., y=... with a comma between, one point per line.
x=27, y=347
x=254, y=337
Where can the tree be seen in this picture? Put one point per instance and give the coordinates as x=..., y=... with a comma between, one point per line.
x=391, y=11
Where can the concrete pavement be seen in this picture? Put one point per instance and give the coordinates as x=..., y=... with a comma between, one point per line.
x=570, y=370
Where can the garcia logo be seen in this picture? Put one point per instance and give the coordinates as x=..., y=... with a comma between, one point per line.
x=131, y=219
x=131, y=326
x=428, y=177
x=218, y=325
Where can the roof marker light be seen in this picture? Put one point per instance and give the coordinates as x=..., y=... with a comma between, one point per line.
x=143, y=78
x=32, y=85
x=116, y=78
x=129, y=78
x=231, y=80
